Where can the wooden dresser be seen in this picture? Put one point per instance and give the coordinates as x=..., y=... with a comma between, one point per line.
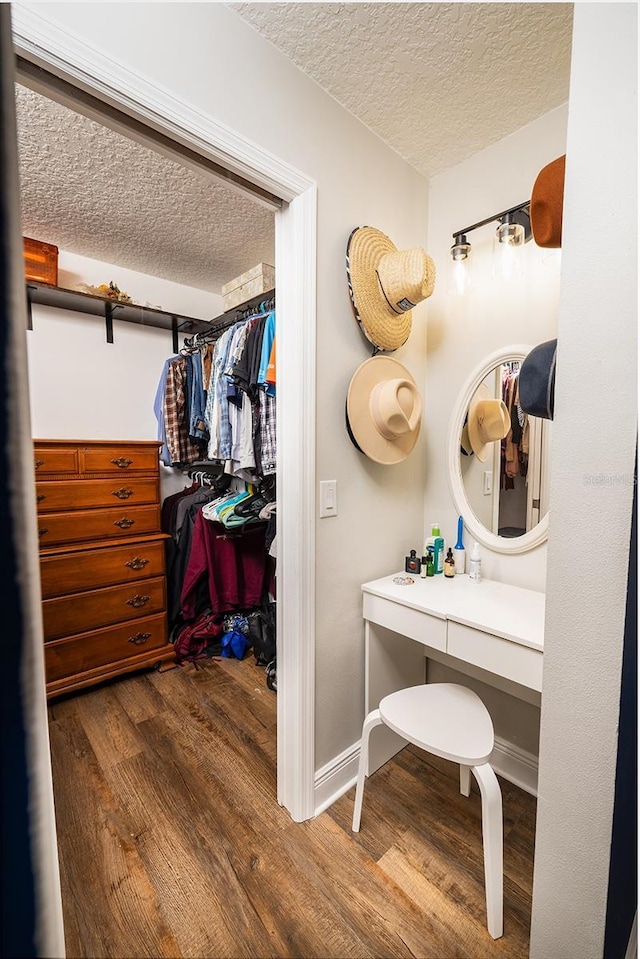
x=102, y=560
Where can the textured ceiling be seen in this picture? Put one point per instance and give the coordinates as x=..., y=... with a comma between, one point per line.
x=436, y=81
x=89, y=190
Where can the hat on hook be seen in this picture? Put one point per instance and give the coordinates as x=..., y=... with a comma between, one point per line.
x=384, y=410
x=385, y=284
x=546, y=204
x=537, y=380
x=488, y=421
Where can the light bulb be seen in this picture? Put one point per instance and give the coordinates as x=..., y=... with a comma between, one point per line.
x=460, y=268
x=507, y=256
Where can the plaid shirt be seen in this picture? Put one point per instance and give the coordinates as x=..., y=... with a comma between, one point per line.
x=267, y=433
x=182, y=449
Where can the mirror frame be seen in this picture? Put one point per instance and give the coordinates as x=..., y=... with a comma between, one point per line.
x=500, y=544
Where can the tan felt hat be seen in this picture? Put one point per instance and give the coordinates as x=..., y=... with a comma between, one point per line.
x=384, y=410
x=488, y=422
x=546, y=204
x=385, y=284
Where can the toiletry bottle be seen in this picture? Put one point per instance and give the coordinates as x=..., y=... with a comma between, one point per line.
x=475, y=571
x=430, y=566
x=438, y=549
x=412, y=563
x=449, y=565
x=423, y=568
x=458, y=549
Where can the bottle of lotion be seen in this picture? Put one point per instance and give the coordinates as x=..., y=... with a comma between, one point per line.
x=438, y=549
x=459, y=553
x=475, y=567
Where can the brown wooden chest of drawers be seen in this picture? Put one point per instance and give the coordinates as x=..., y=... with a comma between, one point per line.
x=101, y=560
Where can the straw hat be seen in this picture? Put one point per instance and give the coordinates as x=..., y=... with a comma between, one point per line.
x=385, y=284
x=488, y=421
x=537, y=380
x=545, y=208
x=384, y=410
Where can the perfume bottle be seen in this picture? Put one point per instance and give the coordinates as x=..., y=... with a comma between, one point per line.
x=412, y=563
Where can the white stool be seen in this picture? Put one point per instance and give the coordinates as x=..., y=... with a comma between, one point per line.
x=452, y=722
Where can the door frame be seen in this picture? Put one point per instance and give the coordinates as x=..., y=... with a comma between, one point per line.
x=86, y=68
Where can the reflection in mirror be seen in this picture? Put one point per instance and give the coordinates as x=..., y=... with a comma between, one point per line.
x=500, y=488
x=508, y=489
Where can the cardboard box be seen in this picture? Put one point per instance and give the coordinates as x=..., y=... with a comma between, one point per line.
x=259, y=279
x=40, y=261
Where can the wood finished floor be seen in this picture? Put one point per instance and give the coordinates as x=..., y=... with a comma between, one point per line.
x=172, y=844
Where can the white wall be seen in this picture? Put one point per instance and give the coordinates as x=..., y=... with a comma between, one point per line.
x=594, y=438
x=229, y=72
x=80, y=386
x=463, y=330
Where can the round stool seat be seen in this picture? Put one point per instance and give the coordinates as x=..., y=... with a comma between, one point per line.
x=445, y=719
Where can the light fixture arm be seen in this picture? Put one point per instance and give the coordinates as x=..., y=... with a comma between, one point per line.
x=520, y=214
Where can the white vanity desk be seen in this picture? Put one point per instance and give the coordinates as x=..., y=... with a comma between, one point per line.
x=489, y=630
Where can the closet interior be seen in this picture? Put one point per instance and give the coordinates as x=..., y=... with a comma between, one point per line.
x=157, y=529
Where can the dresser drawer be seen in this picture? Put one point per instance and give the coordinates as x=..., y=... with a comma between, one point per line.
x=424, y=628
x=80, y=612
x=55, y=460
x=84, y=494
x=66, y=657
x=73, y=572
x=118, y=523
x=521, y=664
x=126, y=458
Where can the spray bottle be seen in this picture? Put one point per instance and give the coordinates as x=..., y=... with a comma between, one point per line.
x=459, y=553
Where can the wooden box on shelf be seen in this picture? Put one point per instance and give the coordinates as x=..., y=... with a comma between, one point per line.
x=102, y=560
x=40, y=261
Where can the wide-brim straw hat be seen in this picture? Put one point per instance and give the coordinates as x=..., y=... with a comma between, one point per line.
x=385, y=284
x=545, y=209
x=384, y=410
x=488, y=422
x=537, y=380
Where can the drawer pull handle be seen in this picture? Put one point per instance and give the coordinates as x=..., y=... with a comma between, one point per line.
x=40, y=497
x=137, y=562
x=42, y=531
x=122, y=462
x=39, y=463
x=137, y=601
x=124, y=523
x=122, y=493
x=139, y=638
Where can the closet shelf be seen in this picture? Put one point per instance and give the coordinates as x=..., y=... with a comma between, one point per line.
x=46, y=295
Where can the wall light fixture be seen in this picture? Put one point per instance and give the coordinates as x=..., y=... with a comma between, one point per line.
x=514, y=230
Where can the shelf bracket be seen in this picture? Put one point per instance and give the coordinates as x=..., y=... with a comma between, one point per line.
x=174, y=333
x=29, y=312
x=108, y=318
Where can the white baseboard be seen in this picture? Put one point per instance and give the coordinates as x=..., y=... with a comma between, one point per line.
x=517, y=765
x=335, y=778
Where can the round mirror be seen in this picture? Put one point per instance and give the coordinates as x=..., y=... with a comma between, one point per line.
x=499, y=458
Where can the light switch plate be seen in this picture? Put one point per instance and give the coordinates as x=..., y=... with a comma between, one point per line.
x=328, y=498
x=487, y=482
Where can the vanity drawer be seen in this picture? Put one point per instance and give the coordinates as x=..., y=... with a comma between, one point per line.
x=116, y=459
x=102, y=607
x=118, y=523
x=84, y=494
x=424, y=628
x=521, y=664
x=66, y=657
x=80, y=570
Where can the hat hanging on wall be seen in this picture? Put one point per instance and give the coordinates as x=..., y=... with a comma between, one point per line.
x=383, y=410
x=488, y=421
x=385, y=284
x=546, y=204
x=537, y=380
